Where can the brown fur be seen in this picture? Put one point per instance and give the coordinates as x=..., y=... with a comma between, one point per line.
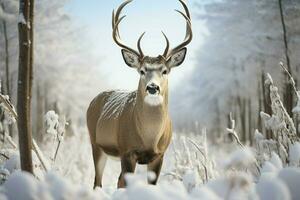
x=139, y=133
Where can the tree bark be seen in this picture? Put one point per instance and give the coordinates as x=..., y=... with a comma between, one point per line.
x=6, y=54
x=24, y=85
x=288, y=92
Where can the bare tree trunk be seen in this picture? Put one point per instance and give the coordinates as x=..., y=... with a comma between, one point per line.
x=31, y=37
x=6, y=54
x=288, y=92
x=250, y=131
x=218, y=119
x=260, y=108
x=241, y=101
x=24, y=85
x=7, y=63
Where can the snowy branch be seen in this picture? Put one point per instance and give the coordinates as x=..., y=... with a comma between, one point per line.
x=7, y=105
x=232, y=131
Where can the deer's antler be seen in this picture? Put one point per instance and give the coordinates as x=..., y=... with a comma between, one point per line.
x=188, y=35
x=116, y=20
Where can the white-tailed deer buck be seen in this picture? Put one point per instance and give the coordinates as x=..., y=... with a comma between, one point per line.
x=136, y=126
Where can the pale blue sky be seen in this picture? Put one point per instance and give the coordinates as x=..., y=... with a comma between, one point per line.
x=151, y=16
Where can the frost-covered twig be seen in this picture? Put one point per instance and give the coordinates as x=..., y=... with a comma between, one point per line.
x=297, y=108
x=55, y=130
x=291, y=78
x=232, y=131
x=5, y=156
x=177, y=176
x=7, y=105
x=284, y=124
x=204, y=167
x=11, y=142
x=60, y=134
x=200, y=149
x=40, y=156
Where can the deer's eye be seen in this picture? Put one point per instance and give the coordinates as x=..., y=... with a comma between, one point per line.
x=142, y=72
x=165, y=72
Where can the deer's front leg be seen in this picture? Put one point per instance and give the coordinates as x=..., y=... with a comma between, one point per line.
x=128, y=163
x=155, y=166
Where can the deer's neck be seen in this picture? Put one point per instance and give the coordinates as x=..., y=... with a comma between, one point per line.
x=150, y=120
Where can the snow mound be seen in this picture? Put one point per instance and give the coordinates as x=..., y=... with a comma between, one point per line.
x=294, y=154
x=291, y=177
x=272, y=188
x=51, y=187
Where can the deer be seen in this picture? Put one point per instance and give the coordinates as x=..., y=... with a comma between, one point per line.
x=135, y=126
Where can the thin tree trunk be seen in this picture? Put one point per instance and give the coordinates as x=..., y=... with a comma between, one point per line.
x=250, y=131
x=259, y=122
x=288, y=92
x=31, y=37
x=24, y=84
x=6, y=54
x=7, y=63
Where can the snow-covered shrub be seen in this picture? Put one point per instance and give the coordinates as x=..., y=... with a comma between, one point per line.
x=233, y=186
x=54, y=134
x=55, y=125
x=240, y=159
x=284, y=134
x=191, y=160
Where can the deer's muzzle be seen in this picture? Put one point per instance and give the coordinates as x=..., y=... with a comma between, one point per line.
x=152, y=89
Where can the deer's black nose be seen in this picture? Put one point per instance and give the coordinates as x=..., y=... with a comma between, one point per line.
x=152, y=88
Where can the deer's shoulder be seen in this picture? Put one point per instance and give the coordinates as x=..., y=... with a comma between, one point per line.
x=115, y=102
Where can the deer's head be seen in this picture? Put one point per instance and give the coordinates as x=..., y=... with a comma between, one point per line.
x=153, y=70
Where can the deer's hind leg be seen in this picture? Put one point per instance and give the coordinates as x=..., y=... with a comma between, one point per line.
x=155, y=166
x=99, y=162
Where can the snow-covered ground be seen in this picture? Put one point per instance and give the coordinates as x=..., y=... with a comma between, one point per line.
x=192, y=169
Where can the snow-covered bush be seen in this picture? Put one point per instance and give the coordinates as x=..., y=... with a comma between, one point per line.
x=284, y=137
x=54, y=134
x=192, y=163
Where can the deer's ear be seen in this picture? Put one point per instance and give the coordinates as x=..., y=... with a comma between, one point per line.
x=131, y=58
x=177, y=58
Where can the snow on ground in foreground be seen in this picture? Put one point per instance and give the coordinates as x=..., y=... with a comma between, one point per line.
x=282, y=185
x=230, y=172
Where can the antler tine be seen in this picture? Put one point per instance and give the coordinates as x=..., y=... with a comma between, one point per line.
x=167, y=46
x=189, y=33
x=117, y=38
x=188, y=20
x=119, y=10
x=117, y=15
x=139, y=45
x=185, y=8
x=115, y=23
